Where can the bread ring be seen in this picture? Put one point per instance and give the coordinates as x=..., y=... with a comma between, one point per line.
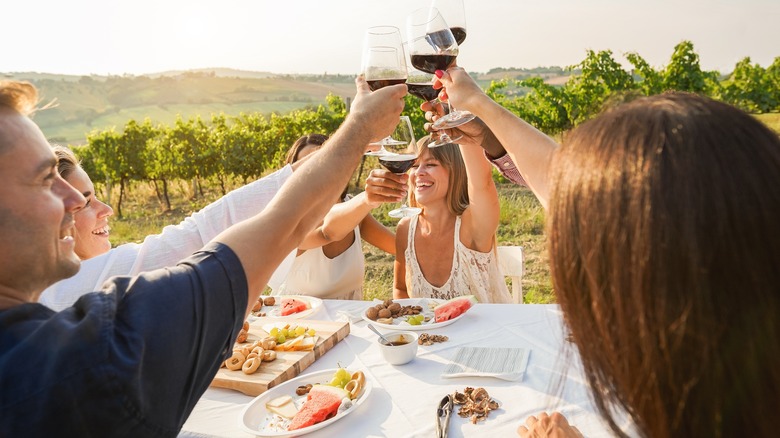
x=244, y=350
x=353, y=387
x=258, y=349
x=269, y=343
x=251, y=365
x=360, y=377
x=269, y=356
x=236, y=361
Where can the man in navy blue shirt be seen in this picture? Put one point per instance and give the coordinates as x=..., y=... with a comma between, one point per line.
x=133, y=359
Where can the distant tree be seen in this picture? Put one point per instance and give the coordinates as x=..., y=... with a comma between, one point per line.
x=600, y=76
x=750, y=87
x=651, y=80
x=683, y=73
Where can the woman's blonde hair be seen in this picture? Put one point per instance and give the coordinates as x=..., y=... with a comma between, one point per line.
x=450, y=158
x=66, y=160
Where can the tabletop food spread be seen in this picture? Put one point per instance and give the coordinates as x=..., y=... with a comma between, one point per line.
x=331, y=378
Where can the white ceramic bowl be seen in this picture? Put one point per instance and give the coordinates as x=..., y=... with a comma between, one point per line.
x=399, y=354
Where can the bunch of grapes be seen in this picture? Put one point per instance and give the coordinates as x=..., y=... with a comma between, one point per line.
x=287, y=332
x=340, y=378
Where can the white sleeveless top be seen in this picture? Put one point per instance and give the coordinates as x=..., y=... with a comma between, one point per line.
x=473, y=273
x=339, y=278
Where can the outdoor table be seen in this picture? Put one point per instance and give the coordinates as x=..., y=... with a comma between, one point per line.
x=404, y=398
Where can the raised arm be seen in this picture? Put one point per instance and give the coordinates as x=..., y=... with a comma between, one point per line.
x=264, y=240
x=340, y=221
x=481, y=218
x=530, y=149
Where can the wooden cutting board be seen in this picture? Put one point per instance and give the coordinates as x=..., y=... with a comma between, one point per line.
x=288, y=364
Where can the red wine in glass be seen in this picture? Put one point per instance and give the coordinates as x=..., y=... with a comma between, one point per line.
x=459, y=33
x=380, y=83
x=429, y=63
x=424, y=91
x=399, y=163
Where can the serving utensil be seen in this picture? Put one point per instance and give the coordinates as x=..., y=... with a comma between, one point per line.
x=443, y=413
x=381, y=336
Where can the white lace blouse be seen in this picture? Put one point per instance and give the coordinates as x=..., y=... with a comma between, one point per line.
x=473, y=273
x=175, y=243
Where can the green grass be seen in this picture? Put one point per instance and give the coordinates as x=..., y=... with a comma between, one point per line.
x=522, y=223
x=772, y=120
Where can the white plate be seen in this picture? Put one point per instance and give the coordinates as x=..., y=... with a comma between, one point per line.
x=314, y=304
x=255, y=416
x=401, y=324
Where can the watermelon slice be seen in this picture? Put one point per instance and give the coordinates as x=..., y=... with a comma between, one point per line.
x=322, y=403
x=291, y=305
x=453, y=308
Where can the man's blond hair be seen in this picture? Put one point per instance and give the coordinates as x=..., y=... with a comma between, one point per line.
x=21, y=97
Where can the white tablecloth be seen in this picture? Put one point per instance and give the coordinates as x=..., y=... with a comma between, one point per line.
x=404, y=398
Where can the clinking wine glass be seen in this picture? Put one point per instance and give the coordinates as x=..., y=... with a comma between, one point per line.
x=454, y=13
x=399, y=158
x=434, y=47
x=384, y=63
x=420, y=84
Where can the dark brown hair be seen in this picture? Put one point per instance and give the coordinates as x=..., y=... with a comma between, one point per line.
x=301, y=143
x=664, y=234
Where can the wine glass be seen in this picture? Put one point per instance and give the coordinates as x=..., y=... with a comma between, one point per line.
x=420, y=84
x=455, y=14
x=384, y=63
x=433, y=47
x=399, y=158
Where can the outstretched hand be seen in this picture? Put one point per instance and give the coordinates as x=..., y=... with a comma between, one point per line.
x=552, y=426
x=378, y=110
x=474, y=133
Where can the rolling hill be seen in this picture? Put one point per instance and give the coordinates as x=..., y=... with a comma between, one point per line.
x=87, y=103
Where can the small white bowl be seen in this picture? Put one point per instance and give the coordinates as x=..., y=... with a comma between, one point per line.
x=399, y=354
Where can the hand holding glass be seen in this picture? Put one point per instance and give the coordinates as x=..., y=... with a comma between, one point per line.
x=399, y=159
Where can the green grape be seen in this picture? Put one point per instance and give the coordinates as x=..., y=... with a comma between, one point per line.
x=414, y=319
x=335, y=382
x=274, y=332
x=299, y=331
x=285, y=332
x=311, y=332
x=281, y=339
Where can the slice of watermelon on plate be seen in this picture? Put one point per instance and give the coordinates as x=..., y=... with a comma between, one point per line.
x=453, y=308
x=292, y=305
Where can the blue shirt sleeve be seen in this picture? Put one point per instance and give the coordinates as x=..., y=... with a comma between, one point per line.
x=131, y=361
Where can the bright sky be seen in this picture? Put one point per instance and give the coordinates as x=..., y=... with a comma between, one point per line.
x=316, y=36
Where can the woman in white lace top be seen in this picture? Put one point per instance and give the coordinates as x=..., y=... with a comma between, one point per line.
x=449, y=249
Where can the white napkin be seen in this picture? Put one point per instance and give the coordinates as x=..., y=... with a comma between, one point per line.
x=501, y=363
x=351, y=316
